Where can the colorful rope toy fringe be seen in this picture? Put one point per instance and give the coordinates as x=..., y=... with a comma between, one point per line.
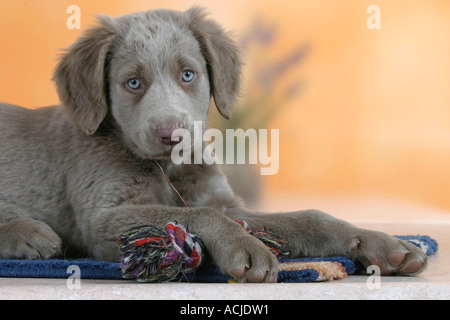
x=277, y=246
x=150, y=254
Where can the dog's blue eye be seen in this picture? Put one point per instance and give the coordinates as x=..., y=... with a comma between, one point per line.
x=188, y=76
x=134, y=84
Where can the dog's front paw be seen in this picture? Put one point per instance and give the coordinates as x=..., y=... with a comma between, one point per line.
x=246, y=259
x=392, y=255
x=28, y=239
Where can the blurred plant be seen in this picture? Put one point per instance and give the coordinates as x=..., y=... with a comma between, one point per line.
x=266, y=95
x=260, y=103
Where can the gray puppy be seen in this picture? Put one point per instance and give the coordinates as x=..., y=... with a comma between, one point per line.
x=77, y=176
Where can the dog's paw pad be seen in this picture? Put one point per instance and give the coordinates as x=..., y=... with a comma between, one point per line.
x=412, y=267
x=395, y=259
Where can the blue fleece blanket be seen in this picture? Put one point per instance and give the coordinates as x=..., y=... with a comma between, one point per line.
x=92, y=269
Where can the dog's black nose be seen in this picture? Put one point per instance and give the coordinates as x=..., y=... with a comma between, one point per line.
x=165, y=136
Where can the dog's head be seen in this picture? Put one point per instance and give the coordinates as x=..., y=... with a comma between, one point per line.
x=153, y=72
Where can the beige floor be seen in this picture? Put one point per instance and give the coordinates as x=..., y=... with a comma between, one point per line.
x=434, y=283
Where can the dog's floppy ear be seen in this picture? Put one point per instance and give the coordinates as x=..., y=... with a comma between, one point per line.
x=80, y=76
x=222, y=59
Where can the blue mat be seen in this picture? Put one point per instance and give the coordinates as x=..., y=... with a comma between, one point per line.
x=92, y=269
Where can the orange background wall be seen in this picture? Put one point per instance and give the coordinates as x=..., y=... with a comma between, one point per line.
x=373, y=115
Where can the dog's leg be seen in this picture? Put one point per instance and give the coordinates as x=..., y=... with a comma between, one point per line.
x=312, y=233
x=24, y=238
x=238, y=254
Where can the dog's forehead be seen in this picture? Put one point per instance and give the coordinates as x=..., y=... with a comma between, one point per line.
x=152, y=33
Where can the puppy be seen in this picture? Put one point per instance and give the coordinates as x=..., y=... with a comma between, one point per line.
x=76, y=176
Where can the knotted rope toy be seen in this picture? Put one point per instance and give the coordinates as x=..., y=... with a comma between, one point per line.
x=150, y=254
x=275, y=244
